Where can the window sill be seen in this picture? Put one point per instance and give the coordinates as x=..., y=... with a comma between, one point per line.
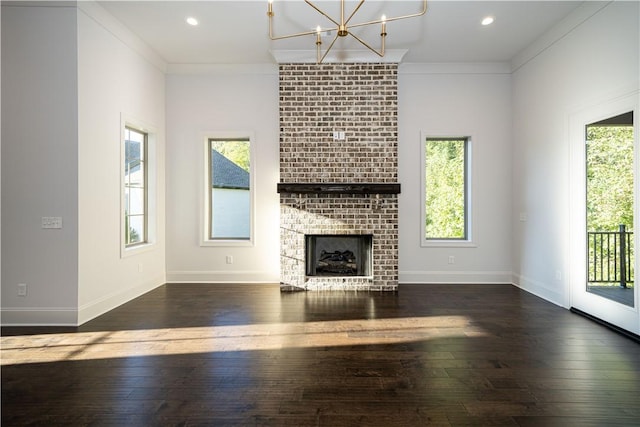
x=448, y=244
x=135, y=250
x=226, y=243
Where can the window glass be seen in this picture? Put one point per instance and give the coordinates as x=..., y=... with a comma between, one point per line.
x=446, y=188
x=135, y=187
x=229, y=192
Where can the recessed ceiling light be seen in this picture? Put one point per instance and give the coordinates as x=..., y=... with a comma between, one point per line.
x=192, y=21
x=488, y=20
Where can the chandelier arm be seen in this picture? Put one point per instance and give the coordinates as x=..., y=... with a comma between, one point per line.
x=380, y=54
x=395, y=18
x=288, y=36
x=270, y=14
x=318, y=59
x=321, y=12
x=352, y=13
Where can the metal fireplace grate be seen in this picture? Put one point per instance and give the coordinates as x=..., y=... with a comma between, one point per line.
x=338, y=255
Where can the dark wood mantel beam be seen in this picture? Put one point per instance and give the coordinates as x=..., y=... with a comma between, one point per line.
x=339, y=188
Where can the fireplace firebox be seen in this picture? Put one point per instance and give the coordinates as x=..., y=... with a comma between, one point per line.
x=338, y=255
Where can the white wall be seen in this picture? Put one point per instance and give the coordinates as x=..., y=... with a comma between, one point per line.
x=473, y=101
x=69, y=75
x=242, y=98
x=39, y=163
x=0, y=158
x=593, y=61
x=457, y=100
x=118, y=79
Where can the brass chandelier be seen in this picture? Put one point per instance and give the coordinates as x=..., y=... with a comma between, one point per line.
x=343, y=28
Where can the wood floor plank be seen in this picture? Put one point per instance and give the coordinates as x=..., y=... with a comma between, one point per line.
x=229, y=355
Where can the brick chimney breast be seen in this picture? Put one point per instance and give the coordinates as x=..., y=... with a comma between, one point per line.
x=338, y=125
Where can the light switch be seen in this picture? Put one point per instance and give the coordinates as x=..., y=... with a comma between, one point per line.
x=51, y=222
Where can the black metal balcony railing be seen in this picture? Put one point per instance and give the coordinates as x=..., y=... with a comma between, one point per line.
x=611, y=256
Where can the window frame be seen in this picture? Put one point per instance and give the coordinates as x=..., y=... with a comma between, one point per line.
x=150, y=186
x=205, y=199
x=470, y=235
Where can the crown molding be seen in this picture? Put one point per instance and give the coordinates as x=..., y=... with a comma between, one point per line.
x=103, y=18
x=576, y=18
x=360, y=55
x=456, y=68
x=209, y=69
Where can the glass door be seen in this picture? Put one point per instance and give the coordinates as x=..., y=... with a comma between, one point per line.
x=609, y=149
x=604, y=212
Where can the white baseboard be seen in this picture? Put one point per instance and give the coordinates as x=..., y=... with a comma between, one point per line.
x=222, y=277
x=39, y=316
x=108, y=302
x=459, y=277
x=539, y=289
x=70, y=316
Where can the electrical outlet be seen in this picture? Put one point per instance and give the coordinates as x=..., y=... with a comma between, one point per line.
x=452, y=259
x=140, y=269
x=339, y=136
x=229, y=259
x=22, y=289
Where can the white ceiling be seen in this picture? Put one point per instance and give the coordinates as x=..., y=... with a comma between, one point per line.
x=236, y=32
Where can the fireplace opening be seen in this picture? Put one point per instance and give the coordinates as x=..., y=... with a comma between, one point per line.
x=338, y=255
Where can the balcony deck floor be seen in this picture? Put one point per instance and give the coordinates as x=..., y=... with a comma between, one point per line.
x=614, y=293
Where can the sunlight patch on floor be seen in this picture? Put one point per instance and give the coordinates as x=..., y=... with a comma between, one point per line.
x=253, y=337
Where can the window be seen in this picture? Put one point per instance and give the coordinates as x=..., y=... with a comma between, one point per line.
x=446, y=199
x=228, y=193
x=135, y=187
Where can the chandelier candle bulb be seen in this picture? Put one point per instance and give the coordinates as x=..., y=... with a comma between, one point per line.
x=318, y=42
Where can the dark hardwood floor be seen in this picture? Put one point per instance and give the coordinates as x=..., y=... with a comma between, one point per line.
x=194, y=354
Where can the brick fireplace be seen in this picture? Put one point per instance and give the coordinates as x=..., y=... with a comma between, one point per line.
x=338, y=171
